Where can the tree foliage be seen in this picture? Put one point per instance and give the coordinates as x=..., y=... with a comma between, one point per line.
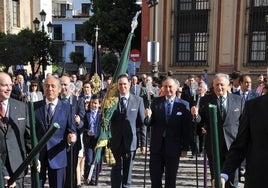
x=114, y=20
x=27, y=47
x=77, y=58
x=109, y=63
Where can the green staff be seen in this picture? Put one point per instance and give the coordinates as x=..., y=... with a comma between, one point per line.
x=34, y=152
x=34, y=172
x=215, y=144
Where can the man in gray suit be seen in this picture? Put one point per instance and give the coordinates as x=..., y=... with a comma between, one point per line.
x=124, y=141
x=230, y=107
x=15, y=141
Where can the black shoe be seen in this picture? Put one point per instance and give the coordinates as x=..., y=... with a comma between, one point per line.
x=79, y=186
x=92, y=182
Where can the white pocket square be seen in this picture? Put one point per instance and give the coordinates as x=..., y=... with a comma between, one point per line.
x=179, y=113
x=21, y=119
x=133, y=109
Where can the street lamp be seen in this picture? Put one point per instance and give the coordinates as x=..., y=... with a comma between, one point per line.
x=36, y=23
x=153, y=46
x=43, y=18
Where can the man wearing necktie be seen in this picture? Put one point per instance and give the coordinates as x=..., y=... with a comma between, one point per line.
x=15, y=139
x=53, y=156
x=90, y=137
x=246, y=89
x=124, y=141
x=78, y=109
x=20, y=89
x=170, y=122
x=228, y=120
x=135, y=88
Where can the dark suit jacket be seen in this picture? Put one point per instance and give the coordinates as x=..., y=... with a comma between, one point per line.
x=16, y=142
x=78, y=108
x=251, y=94
x=123, y=127
x=251, y=143
x=186, y=93
x=177, y=128
x=56, y=146
x=227, y=128
x=16, y=92
x=87, y=121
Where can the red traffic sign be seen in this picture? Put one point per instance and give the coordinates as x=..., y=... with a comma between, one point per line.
x=134, y=55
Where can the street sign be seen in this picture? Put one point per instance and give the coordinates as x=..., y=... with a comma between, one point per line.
x=134, y=55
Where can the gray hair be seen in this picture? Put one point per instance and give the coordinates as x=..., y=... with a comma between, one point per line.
x=223, y=75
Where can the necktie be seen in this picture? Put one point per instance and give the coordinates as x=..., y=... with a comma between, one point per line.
x=49, y=112
x=244, y=95
x=93, y=121
x=2, y=109
x=222, y=107
x=123, y=104
x=169, y=109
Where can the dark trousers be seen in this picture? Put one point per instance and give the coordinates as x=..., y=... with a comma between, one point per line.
x=56, y=177
x=161, y=163
x=89, y=158
x=122, y=170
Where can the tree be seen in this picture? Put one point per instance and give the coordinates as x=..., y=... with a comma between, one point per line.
x=27, y=47
x=114, y=19
x=9, y=50
x=109, y=63
x=77, y=58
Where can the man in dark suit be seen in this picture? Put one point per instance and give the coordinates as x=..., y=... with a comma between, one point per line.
x=53, y=157
x=250, y=143
x=230, y=107
x=245, y=88
x=170, y=123
x=19, y=89
x=189, y=89
x=90, y=137
x=78, y=108
x=124, y=133
x=15, y=141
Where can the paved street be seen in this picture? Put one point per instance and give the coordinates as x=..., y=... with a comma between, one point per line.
x=186, y=174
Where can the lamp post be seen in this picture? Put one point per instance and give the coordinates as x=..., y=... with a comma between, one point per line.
x=36, y=23
x=153, y=46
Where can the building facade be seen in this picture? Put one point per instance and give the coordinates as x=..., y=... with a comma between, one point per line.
x=68, y=17
x=217, y=35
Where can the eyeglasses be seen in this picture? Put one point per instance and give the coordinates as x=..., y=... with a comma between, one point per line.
x=34, y=85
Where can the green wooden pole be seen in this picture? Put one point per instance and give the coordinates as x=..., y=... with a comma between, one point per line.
x=43, y=141
x=215, y=145
x=34, y=172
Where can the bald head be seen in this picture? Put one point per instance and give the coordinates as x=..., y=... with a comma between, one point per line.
x=5, y=86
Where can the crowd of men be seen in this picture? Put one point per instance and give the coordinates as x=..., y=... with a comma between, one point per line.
x=176, y=117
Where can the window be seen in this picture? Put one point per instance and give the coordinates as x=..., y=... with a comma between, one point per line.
x=192, y=33
x=86, y=8
x=257, y=35
x=16, y=13
x=78, y=35
x=79, y=49
x=57, y=34
x=63, y=8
